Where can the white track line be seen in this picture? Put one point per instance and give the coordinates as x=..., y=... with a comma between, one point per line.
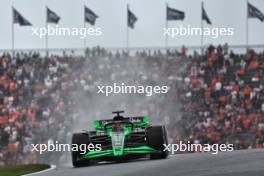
x=46, y=170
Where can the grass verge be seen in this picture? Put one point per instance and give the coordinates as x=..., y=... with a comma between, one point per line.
x=21, y=169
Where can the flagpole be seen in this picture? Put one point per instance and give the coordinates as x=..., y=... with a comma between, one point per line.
x=247, y=29
x=84, y=39
x=47, y=37
x=202, y=28
x=84, y=25
x=166, y=26
x=13, y=33
x=127, y=32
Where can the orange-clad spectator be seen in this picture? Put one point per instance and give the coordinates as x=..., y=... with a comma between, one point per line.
x=195, y=81
x=31, y=112
x=223, y=99
x=240, y=72
x=214, y=81
x=253, y=116
x=3, y=119
x=247, y=90
x=215, y=136
x=2, y=106
x=253, y=64
x=14, y=114
x=12, y=147
x=2, y=79
x=12, y=85
x=259, y=146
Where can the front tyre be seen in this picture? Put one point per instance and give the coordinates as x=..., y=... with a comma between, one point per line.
x=156, y=137
x=78, y=139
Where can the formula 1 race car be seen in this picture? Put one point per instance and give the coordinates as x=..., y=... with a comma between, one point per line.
x=120, y=139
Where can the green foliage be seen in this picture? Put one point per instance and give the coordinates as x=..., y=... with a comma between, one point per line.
x=19, y=170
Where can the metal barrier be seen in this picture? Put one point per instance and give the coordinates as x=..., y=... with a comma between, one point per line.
x=235, y=48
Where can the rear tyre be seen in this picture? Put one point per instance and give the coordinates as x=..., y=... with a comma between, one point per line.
x=156, y=137
x=79, y=138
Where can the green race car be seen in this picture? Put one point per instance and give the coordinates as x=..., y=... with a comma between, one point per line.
x=119, y=139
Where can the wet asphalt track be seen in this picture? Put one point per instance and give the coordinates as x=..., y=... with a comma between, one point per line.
x=238, y=163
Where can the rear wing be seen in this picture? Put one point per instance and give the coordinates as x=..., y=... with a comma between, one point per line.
x=138, y=122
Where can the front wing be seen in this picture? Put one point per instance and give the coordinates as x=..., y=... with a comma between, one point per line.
x=126, y=151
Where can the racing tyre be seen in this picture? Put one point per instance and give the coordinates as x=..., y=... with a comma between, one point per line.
x=79, y=138
x=156, y=137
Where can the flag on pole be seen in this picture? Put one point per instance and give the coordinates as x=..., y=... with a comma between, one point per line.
x=52, y=17
x=205, y=16
x=253, y=12
x=131, y=19
x=173, y=14
x=19, y=19
x=89, y=16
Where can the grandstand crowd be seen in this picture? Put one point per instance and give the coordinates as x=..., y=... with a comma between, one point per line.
x=223, y=99
x=215, y=98
x=34, y=103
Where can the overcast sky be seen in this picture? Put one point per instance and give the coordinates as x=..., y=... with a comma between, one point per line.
x=112, y=19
